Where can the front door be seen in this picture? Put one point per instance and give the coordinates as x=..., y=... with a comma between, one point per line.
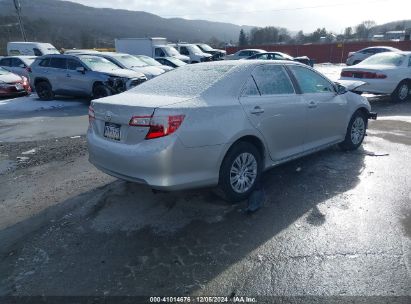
x=326, y=110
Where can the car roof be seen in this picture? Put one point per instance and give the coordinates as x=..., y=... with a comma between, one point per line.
x=380, y=47
x=252, y=50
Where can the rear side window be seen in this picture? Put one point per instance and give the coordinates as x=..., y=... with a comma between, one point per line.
x=272, y=80
x=15, y=62
x=58, y=63
x=5, y=62
x=311, y=82
x=45, y=62
x=250, y=89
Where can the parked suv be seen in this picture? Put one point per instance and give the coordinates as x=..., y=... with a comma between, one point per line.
x=80, y=75
x=191, y=50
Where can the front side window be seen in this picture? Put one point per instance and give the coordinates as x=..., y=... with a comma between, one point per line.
x=37, y=52
x=272, y=80
x=184, y=51
x=244, y=53
x=73, y=64
x=310, y=81
x=159, y=52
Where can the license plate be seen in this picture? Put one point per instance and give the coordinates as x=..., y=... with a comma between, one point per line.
x=19, y=87
x=112, y=131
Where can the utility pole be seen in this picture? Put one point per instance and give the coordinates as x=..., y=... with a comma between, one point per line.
x=17, y=5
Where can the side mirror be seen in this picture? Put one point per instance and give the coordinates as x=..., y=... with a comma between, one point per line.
x=340, y=89
x=81, y=70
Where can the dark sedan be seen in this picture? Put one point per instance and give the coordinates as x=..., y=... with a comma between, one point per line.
x=281, y=56
x=12, y=84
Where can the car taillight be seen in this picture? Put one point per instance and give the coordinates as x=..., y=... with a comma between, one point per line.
x=159, y=126
x=359, y=74
x=91, y=114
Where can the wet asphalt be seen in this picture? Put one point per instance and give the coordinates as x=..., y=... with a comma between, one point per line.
x=335, y=226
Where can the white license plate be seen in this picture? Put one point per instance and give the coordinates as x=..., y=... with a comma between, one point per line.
x=112, y=131
x=19, y=87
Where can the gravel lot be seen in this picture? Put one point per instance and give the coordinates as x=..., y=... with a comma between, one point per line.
x=336, y=226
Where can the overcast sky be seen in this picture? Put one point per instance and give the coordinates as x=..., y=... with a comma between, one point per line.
x=334, y=15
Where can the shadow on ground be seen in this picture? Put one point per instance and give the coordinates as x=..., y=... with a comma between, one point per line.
x=125, y=240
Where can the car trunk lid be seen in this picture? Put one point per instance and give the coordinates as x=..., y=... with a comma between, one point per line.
x=112, y=115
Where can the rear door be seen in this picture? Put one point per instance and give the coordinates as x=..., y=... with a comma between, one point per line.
x=274, y=108
x=326, y=111
x=57, y=74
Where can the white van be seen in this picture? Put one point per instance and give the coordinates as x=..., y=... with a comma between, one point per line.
x=153, y=47
x=30, y=49
x=192, y=51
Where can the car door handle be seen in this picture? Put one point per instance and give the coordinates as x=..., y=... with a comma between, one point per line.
x=312, y=104
x=68, y=75
x=257, y=110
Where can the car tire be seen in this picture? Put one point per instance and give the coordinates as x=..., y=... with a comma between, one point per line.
x=355, y=131
x=240, y=172
x=44, y=90
x=402, y=92
x=100, y=91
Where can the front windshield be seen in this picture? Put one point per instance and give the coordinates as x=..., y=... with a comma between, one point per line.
x=99, y=64
x=176, y=61
x=392, y=59
x=195, y=49
x=130, y=61
x=206, y=47
x=171, y=51
x=148, y=60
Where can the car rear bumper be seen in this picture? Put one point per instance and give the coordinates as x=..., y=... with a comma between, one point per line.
x=374, y=86
x=163, y=163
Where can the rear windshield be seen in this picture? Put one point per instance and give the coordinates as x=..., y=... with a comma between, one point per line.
x=389, y=58
x=190, y=80
x=3, y=71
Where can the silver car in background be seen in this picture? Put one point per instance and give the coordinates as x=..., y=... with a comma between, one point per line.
x=356, y=57
x=222, y=123
x=19, y=65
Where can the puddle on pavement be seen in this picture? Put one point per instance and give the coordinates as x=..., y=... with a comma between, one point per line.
x=6, y=165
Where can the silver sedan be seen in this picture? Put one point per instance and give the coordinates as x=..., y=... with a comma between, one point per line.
x=222, y=123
